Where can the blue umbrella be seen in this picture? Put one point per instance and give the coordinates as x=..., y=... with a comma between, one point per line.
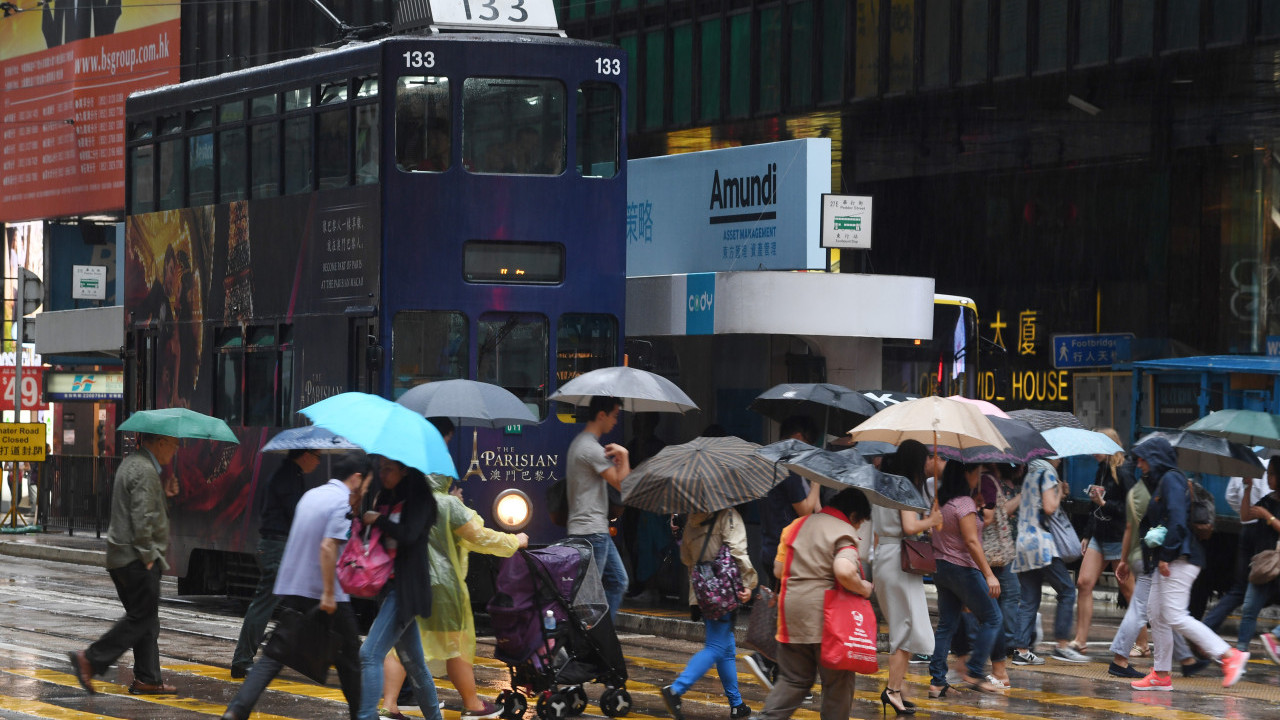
x=383, y=427
x=310, y=437
x=1068, y=441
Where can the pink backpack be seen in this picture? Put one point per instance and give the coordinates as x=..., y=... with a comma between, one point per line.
x=365, y=566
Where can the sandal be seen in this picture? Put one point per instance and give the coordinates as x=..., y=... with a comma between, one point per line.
x=941, y=692
x=1139, y=651
x=984, y=685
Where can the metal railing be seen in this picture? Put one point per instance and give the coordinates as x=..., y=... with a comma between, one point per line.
x=74, y=492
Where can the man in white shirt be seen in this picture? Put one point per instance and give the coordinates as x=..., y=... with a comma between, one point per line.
x=1234, y=597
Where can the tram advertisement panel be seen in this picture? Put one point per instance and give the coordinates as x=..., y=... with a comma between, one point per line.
x=67, y=70
x=190, y=273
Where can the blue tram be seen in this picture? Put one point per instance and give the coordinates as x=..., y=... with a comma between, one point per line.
x=373, y=217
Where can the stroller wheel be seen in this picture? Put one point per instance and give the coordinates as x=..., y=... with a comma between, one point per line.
x=615, y=702
x=552, y=706
x=577, y=700
x=513, y=704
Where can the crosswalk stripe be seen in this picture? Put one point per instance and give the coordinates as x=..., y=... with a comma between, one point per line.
x=47, y=710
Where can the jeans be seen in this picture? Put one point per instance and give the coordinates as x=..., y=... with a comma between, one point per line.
x=960, y=587
x=612, y=572
x=1168, y=607
x=1135, y=618
x=1239, y=585
x=1256, y=597
x=263, y=604
x=347, y=662
x=719, y=650
x=388, y=631
x=1055, y=573
x=139, y=629
x=1010, y=591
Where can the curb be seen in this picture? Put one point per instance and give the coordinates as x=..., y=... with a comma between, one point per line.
x=50, y=553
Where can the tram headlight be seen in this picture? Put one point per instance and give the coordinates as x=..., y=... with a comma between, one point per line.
x=512, y=510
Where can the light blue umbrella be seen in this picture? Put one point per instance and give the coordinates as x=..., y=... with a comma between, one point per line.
x=1068, y=441
x=383, y=427
x=310, y=437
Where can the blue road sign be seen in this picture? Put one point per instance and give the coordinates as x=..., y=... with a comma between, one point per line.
x=1084, y=351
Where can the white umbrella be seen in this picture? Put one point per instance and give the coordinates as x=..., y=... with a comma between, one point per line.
x=639, y=390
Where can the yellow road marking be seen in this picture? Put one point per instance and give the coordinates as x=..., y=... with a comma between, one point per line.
x=47, y=710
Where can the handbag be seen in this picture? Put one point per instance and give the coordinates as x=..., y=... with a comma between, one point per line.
x=917, y=557
x=848, y=632
x=762, y=625
x=1265, y=566
x=305, y=642
x=716, y=581
x=1064, y=535
x=365, y=566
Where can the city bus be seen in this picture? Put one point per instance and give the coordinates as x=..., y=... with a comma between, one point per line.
x=388, y=213
x=945, y=365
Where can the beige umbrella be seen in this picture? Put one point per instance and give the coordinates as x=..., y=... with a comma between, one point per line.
x=934, y=421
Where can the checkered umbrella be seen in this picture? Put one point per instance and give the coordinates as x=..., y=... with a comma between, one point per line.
x=704, y=475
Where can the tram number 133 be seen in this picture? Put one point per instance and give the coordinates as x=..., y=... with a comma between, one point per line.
x=521, y=13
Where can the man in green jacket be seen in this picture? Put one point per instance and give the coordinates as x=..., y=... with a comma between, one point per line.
x=136, y=543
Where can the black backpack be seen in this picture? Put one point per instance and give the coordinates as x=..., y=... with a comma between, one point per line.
x=1201, y=512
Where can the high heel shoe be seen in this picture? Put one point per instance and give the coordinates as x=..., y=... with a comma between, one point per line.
x=886, y=703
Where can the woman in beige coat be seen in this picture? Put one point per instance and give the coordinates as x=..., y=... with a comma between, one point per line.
x=703, y=535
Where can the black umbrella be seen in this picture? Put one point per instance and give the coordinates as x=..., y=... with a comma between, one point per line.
x=1210, y=455
x=1043, y=420
x=833, y=408
x=1025, y=445
x=843, y=470
x=884, y=398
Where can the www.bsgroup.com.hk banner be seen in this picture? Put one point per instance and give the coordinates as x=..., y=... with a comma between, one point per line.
x=67, y=67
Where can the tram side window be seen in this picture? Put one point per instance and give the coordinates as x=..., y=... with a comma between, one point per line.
x=513, y=354
x=253, y=376
x=333, y=146
x=232, y=166
x=599, y=129
x=298, y=173
x=367, y=144
x=422, y=123
x=265, y=170
x=143, y=192
x=585, y=342
x=513, y=126
x=171, y=174
x=200, y=169
x=226, y=380
x=428, y=345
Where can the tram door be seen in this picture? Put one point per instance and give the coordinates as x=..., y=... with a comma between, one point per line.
x=365, y=362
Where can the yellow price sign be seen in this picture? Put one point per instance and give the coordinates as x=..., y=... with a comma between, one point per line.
x=23, y=442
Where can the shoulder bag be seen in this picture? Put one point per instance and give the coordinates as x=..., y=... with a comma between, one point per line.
x=848, y=632
x=716, y=581
x=762, y=625
x=365, y=566
x=1265, y=566
x=1065, y=539
x=917, y=557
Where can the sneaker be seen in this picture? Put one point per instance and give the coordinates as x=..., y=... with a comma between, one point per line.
x=1194, y=668
x=1026, y=657
x=738, y=712
x=1272, y=646
x=1153, y=682
x=1066, y=654
x=918, y=659
x=1124, y=671
x=1233, y=667
x=672, y=700
x=756, y=663
x=488, y=712
x=239, y=672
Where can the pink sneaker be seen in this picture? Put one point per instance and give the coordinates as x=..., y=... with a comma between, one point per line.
x=1153, y=682
x=1233, y=667
x=1271, y=646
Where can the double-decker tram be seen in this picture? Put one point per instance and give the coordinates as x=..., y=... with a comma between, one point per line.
x=373, y=217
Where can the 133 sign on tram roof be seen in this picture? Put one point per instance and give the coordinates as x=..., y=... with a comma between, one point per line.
x=495, y=14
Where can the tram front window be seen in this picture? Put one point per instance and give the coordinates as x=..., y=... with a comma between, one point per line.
x=422, y=124
x=513, y=126
x=513, y=354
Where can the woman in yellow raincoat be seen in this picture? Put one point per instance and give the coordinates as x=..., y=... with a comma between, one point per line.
x=449, y=634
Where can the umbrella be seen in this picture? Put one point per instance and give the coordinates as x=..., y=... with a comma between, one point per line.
x=1069, y=441
x=179, y=423
x=468, y=402
x=309, y=437
x=828, y=405
x=845, y=469
x=1047, y=419
x=384, y=428
x=1247, y=427
x=933, y=421
x=703, y=475
x=1025, y=445
x=987, y=408
x=884, y=398
x=1211, y=455
x=639, y=390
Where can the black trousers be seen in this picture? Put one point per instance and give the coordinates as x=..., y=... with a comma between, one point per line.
x=139, y=629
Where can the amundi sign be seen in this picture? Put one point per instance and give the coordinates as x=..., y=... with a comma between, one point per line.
x=747, y=208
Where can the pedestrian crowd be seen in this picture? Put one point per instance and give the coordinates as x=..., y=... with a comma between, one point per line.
x=990, y=531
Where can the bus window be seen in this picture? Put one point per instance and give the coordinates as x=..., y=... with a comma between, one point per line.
x=333, y=145
x=585, y=342
x=598, y=130
x=422, y=124
x=264, y=178
x=426, y=346
x=200, y=169
x=366, y=144
x=512, y=353
x=298, y=175
x=232, y=166
x=171, y=174
x=142, y=176
x=513, y=126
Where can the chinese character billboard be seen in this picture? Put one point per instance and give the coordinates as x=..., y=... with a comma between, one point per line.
x=67, y=68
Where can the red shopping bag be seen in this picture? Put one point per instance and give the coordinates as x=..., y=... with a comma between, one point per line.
x=848, y=632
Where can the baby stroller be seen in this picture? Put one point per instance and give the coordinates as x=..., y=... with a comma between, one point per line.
x=552, y=628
